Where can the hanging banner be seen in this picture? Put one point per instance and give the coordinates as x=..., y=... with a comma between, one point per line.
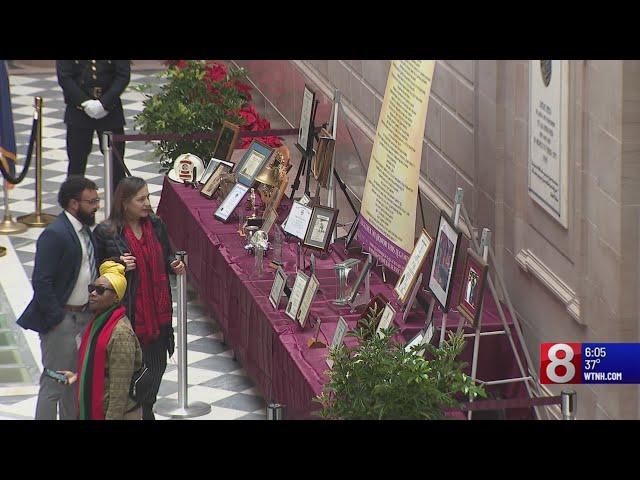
x=548, y=136
x=388, y=214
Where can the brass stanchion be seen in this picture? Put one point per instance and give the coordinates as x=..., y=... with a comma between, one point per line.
x=8, y=226
x=38, y=219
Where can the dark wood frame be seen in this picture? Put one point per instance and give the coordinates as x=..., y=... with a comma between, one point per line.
x=215, y=178
x=327, y=237
x=236, y=132
x=483, y=268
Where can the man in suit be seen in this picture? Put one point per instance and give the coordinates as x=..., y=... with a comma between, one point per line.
x=64, y=266
x=92, y=90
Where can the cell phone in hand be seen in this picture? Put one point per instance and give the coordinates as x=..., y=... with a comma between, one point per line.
x=60, y=377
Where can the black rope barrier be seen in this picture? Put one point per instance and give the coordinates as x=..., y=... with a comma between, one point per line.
x=16, y=180
x=505, y=404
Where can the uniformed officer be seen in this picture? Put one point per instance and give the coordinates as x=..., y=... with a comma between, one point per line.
x=92, y=90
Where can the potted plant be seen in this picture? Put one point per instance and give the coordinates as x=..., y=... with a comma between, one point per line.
x=379, y=380
x=196, y=97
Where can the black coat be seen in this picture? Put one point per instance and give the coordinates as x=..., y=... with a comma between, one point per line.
x=113, y=243
x=78, y=80
x=56, y=270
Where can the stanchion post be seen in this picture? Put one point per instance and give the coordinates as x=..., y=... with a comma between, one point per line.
x=569, y=404
x=106, y=147
x=181, y=408
x=276, y=411
x=456, y=221
x=38, y=219
x=8, y=226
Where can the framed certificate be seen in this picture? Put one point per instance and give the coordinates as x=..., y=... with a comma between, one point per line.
x=297, y=222
x=321, y=224
x=226, y=142
x=444, y=261
x=473, y=282
x=213, y=182
x=306, y=117
x=419, y=339
x=338, y=337
x=230, y=203
x=307, y=300
x=252, y=162
x=388, y=314
x=409, y=275
x=269, y=219
x=363, y=274
x=278, y=287
x=297, y=292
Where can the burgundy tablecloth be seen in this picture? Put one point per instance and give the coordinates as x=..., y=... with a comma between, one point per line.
x=272, y=348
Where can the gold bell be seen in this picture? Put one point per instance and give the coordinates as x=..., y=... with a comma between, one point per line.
x=268, y=176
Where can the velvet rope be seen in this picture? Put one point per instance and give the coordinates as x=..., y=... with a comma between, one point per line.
x=200, y=136
x=16, y=180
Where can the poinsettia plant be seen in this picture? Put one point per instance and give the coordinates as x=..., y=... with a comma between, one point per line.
x=195, y=98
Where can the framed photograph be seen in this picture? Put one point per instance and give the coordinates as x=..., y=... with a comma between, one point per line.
x=444, y=261
x=352, y=232
x=213, y=182
x=473, y=282
x=361, y=277
x=318, y=234
x=388, y=314
x=297, y=223
x=252, y=162
x=307, y=300
x=277, y=288
x=297, y=292
x=419, y=339
x=412, y=269
x=226, y=142
x=212, y=166
x=231, y=201
x=306, y=117
x=269, y=219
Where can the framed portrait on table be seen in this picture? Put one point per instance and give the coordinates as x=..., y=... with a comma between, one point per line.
x=231, y=201
x=444, y=261
x=306, y=117
x=277, y=288
x=297, y=223
x=307, y=300
x=252, y=162
x=297, y=293
x=226, y=142
x=318, y=234
x=388, y=314
x=212, y=183
x=412, y=269
x=472, y=291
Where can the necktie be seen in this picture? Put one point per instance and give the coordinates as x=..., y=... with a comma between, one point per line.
x=92, y=260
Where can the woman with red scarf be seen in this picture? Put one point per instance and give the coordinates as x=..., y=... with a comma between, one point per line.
x=139, y=238
x=109, y=353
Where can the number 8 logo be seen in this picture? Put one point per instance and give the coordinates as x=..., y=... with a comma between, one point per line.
x=560, y=362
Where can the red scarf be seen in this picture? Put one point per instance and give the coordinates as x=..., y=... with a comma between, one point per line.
x=91, y=381
x=153, y=303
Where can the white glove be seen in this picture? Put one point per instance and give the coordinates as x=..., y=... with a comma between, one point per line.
x=94, y=109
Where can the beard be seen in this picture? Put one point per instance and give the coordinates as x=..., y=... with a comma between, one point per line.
x=88, y=219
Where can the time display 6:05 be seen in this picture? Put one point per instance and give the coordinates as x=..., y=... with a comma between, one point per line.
x=597, y=352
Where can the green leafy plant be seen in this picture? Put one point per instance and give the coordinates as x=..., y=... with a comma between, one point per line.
x=196, y=97
x=379, y=380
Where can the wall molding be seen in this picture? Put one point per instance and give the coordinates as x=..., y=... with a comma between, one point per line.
x=528, y=262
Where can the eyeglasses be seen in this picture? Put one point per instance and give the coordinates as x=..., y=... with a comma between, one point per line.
x=95, y=201
x=98, y=288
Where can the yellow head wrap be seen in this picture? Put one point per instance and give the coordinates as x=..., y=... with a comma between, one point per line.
x=115, y=274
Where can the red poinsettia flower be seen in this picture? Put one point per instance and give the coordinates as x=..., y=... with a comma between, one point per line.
x=216, y=72
x=244, y=89
x=181, y=64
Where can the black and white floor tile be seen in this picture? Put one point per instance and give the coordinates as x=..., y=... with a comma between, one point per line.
x=214, y=376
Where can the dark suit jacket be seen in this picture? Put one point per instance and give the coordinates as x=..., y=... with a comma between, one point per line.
x=57, y=265
x=78, y=79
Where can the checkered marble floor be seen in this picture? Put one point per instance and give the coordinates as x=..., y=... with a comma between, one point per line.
x=213, y=375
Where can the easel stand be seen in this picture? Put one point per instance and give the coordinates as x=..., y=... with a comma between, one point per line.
x=529, y=380
x=307, y=154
